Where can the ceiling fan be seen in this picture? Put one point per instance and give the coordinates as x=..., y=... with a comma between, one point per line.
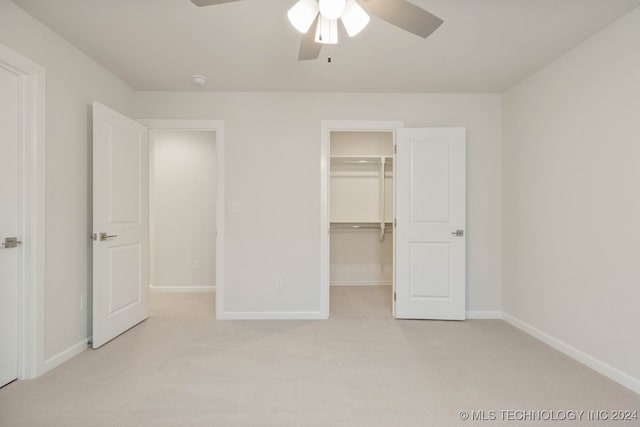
x=354, y=15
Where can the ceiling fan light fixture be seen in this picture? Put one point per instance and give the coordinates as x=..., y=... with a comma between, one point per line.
x=327, y=31
x=302, y=15
x=332, y=9
x=354, y=18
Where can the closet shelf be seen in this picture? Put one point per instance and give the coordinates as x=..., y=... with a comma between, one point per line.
x=362, y=160
x=382, y=227
x=365, y=167
x=358, y=224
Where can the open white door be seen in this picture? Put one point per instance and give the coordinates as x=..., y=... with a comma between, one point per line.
x=430, y=210
x=10, y=227
x=120, y=223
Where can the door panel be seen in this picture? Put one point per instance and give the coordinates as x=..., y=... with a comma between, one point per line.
x=120, y=215
x=125, y=286
x=430, y=280
x=125, y=151
x=430, y=208
x=9, y=224
x=429, y=181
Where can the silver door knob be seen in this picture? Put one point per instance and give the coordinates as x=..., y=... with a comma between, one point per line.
x=105, y=236
x=11, y=242
x=458, y=233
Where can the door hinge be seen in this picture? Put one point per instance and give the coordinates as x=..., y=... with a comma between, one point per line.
x=395, y=149
x=395, y=222
x=394, y=296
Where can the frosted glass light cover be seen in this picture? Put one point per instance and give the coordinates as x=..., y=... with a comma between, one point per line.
x=327, y=31
x=354, y=18
x=332, y=9
x=302, y=15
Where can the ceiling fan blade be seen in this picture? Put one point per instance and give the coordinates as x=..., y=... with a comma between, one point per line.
x=309, y=49
x=403, y=14
x=211, y=2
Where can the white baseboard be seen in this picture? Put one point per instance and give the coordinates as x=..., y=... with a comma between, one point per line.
x=63, y=356
x=360, y=284
x=211, y=288
x=478, y=314
x=597, y=365
x=271, y=315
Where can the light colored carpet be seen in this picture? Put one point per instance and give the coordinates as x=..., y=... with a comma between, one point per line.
x=360, y=368
x=188, y=305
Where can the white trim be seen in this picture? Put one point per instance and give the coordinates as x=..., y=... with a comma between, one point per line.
x=326, y=127
x=356, y=174
x=218, y=127
x=65, y=355
x=586, y=359
x=178, y=288
x=182, y=124
x=272, y=315
x=387, y=283
x=484, y=314
x=152, y=236
x=33, y=179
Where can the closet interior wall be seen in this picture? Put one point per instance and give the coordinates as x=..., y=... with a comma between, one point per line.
x=361, y=208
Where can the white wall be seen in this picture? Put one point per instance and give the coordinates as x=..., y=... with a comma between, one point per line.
x=361, y=144
x=183, y=209
x=73, y=82
x=359, y=257
x=571, y=200
x=273, y=171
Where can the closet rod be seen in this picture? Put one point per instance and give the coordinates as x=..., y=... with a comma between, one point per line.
x=358, y=225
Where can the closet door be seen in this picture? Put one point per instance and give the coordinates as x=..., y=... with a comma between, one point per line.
x=429, y=236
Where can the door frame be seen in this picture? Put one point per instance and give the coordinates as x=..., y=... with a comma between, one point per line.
x=328, y=126
x=216, y=126
x=32, y=180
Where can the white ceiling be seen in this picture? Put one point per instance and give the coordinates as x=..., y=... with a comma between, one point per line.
x=483, y=45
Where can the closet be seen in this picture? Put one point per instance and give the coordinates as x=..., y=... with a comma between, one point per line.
x=361, y=208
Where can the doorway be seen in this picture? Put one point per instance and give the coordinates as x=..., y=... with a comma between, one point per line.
x=428, y=205
x=361, y=220
x=211, y=131
x=357, y=212
x=182, y=223
x=121, y=199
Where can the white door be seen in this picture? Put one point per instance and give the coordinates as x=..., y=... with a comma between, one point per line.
x=430, y=212
x=120, y=223
x=10, y=254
